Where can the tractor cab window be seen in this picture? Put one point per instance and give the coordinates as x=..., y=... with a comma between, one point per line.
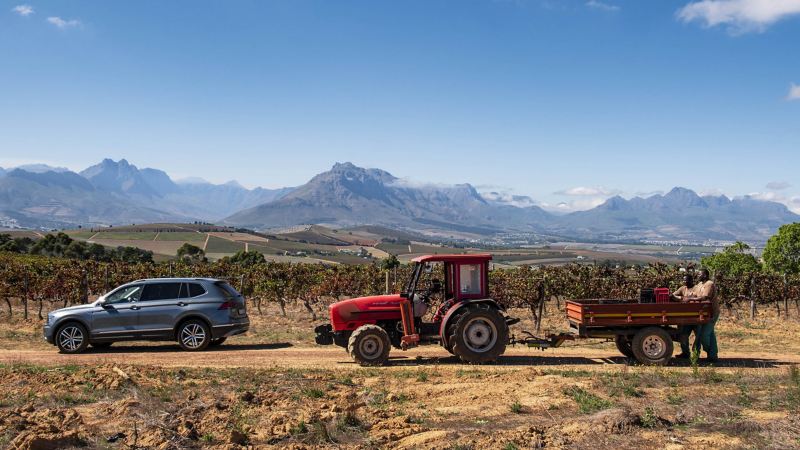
x=470, y=279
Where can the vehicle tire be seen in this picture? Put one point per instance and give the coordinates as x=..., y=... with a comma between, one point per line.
x=101, y=345
x=624, y=345
x=72, y=338
x=480, y=335
x=217, y=342
x=369, y=345
x=194, y=335
x=652, y=346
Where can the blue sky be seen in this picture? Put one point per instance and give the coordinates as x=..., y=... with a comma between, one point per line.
x=565, y=101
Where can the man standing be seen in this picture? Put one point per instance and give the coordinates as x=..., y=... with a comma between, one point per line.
x=706, y=290
x=683, y=294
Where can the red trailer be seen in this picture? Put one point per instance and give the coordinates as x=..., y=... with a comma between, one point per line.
x=644, y=331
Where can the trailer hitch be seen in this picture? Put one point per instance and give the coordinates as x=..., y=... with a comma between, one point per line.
x=551, y=341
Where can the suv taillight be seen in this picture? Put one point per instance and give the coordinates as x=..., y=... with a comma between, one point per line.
x=227, y=305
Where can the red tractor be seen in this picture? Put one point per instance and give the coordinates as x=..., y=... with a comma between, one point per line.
x=465, y=321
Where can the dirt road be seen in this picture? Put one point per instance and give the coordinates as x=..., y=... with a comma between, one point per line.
x=286, y=355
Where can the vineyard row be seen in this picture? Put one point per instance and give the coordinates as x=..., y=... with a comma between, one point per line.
x=36, y=279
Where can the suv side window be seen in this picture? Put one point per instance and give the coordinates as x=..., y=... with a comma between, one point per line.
x=160, y=291
x=196, y=290
x=184, y=292
x=125, y=295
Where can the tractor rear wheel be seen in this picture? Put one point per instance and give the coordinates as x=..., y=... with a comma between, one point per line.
x=369, y=345
x=624, y=345
x=480, y=335
x=652, y=346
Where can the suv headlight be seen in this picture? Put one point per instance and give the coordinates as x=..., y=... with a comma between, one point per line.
x=49, y=319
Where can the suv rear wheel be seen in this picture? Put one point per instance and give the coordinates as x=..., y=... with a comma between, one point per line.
x=194, y=335
x=72, y=337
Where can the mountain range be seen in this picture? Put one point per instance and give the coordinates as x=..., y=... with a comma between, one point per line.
x=117, y=192
x=348, y=195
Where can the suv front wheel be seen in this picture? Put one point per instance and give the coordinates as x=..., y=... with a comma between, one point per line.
x=194, y=335
x=72, y=338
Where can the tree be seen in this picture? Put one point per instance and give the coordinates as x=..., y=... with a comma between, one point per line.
x=734, y=260
x=132, y=255
x=782, y=253
x=247, y=258
x=390, y=263
x=191, y=253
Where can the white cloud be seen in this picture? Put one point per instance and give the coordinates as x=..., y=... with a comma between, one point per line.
x=23, y=10
x=595, y=4
x=645, y=194
x=778, y=185
x=714, y=192
x=581, y=204
x=582, y=191
x=62, y=23
x=793, y=203
x=739, y=16
x=794, y=92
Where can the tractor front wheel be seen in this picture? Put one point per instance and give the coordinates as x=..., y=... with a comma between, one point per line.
x=369, y=345
x=480, y=335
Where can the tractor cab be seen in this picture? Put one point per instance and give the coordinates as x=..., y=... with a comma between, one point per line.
x=445, y=301
x=465, y=276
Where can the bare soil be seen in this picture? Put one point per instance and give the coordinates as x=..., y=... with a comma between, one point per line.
x=274, y=389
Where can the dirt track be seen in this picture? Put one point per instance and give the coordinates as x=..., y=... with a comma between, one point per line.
x=286, y=355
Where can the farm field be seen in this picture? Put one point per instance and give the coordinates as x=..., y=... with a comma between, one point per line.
x=273, y=388
x=321, y=244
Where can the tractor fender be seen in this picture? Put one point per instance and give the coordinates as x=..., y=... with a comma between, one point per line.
x=457, y=307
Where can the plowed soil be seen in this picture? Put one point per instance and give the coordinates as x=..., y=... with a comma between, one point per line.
x=274, y=389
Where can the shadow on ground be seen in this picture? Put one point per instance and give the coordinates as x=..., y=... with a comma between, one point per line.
x=520, y=360
x=122, y=348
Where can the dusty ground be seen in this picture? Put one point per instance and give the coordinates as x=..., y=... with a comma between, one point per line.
x=273, y=388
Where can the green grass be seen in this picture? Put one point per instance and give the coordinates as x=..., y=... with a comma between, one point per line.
x=217, y=245
x=313, y=393
x=187, y=236
x=587, y=401
x=516, y=408
x=123, y=235
x=81, y=235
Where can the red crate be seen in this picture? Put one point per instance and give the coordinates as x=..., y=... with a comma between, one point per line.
x=661, y=294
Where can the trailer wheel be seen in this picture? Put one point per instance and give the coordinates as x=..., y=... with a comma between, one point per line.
x=652, y=346
x=480, y=335
x=624, y=345
x=369, y=345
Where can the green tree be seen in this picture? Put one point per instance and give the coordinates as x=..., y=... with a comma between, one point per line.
x=247, y=258
x=734, y=260
x=132, y=255
x=191, y=253
x=782, y=253
x=390, y=263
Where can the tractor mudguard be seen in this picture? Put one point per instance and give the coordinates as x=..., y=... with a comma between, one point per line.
x=463, y=304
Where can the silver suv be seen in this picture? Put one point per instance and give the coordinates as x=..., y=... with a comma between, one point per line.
x=195, y=312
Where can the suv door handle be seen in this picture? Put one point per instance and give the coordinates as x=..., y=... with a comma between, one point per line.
x=182, y=304
x=136, y=308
